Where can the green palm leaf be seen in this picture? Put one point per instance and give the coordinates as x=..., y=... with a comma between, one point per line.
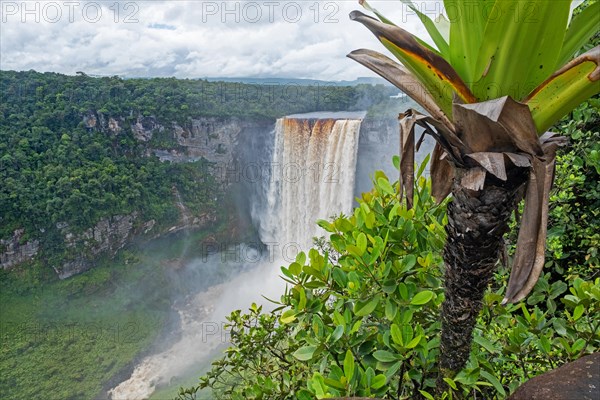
x=581, y=29
x=467, y=29
x=503, y=50
x=533, y=31
x=439, y=31
x=432, y=70
x=565, y=89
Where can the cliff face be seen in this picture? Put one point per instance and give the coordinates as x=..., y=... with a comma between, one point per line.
x=221, y=141
x=379, y=143
x=14, y=251
x=104, y=239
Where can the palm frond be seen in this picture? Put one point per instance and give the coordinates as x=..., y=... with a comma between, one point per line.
x=565, y=89
x=432, y=70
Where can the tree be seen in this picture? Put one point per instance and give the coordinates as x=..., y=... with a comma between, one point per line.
x=498, y=78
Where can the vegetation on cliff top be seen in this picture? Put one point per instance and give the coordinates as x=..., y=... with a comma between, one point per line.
x=59, y=166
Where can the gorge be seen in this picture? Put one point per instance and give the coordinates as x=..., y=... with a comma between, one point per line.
x=124, y=217
x=311, y=176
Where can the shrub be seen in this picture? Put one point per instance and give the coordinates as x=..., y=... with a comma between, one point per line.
x=360, y=317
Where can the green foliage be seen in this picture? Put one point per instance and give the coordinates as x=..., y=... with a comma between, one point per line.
x=360, y=317
x=59, y=163
x=574, y=225
x=54, y=168
x=67, y=339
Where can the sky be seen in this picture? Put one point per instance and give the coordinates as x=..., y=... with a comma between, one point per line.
x=193, y=39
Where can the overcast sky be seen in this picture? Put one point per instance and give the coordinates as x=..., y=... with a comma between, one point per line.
x=191, y=39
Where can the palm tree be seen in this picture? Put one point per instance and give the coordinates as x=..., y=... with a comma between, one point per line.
x=500, y=74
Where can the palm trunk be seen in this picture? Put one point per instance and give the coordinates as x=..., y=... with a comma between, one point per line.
x=477, y=222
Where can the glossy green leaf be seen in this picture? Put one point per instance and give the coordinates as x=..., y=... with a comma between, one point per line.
x=407, y=333
x=391, y=309
x=578, y=346
x=304, y=395
x=422, y=298
x=365, y=307
x=378, y=381
x=340, y=277
x=451, y=383
x=335, y=384
x=349, y=365
x=336, y=334
x=426, y=394
x=494, y=381
x=403, y=290
x=295, y=268
x=355, y=250
x=578, y=312
x=393, y=369
x=545, y=344
x=361, y=242
x=384, y=184
x=305, y=353
x=385, y=356
x=301, y=258
x=414, y=342
x=288, y=317
x=409, y=261
x=301, y=296
x=396, y=334
x=328, y=226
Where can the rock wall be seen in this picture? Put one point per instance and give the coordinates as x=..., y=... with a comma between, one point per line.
x=104, y=239
x=224, y=142
x=13, y=252
x=379, y=142
x=221, y=141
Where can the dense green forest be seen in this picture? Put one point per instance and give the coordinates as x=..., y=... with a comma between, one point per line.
x=55, y=168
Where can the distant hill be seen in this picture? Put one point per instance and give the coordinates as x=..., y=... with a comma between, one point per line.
x=302, y=82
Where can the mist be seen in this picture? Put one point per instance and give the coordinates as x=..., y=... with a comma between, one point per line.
x=201, y=306
x=206, y=284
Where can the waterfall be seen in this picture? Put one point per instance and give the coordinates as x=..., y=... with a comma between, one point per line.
x=311, y=177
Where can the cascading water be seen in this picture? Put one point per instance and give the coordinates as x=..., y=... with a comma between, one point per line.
x=313, y=168
x=311, y=176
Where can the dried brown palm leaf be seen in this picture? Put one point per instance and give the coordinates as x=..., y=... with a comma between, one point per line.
x=428, y=66
x=400, y=77
x=508, y=126
x=441, y=174
x=491, y=162
x=531, y=242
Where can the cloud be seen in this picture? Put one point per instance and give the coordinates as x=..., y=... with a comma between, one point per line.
x=189, y=39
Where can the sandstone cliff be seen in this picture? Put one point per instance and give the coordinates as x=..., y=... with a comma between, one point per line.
x=217, y=140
